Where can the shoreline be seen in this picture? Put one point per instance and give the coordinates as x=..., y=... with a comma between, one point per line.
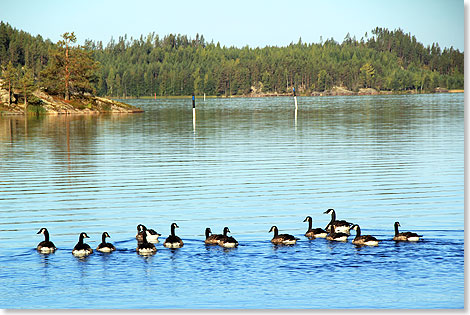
x=94, y=105
x=314, y=94
x=86, y=105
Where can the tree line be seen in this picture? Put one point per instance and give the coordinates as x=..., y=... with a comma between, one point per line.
x=179, y=65
x=28, y=63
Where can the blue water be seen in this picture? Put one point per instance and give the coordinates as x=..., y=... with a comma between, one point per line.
x=247, y=164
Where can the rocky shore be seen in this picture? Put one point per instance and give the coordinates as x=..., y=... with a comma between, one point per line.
x=341, y=91
x=44, y=103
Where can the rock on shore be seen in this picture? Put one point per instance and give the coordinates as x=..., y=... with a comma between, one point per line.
x=47, y=104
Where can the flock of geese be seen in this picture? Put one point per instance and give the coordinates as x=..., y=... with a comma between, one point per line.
x=336, y=230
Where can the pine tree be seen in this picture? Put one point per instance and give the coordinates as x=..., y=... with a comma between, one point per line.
x=70, y=69
x=10, y=75
x=368, y=73
x=27, y=85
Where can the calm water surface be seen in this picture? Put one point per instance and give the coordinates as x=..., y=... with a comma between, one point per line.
x=247, y=164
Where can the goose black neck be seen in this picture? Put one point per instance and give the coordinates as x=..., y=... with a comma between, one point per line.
x=276, y=232
x=46, y=235
x=172, y=230
x=358, y=231
x=225, y=231
x=103, y=238
x=207, y=233
x=80, y=239
x=309, y=223
x=396, y=229
x=333, y=216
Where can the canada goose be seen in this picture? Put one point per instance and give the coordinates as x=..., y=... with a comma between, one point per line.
x=340, y=225
x=173, y=241
x=152, y=235
x=336, y=236
x=145, y=248
x=363, y=239
x=405, y=236
x=212, y=239
x=227, y=241
x=140, y=230
x=82, y=249
x=105, y=247
x=314, y=233
x=46, y=246
x=285, y=239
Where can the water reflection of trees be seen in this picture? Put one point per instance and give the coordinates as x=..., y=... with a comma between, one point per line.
x=379, y=118
x=67, y=139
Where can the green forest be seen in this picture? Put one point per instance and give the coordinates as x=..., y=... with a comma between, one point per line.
x=179, y=65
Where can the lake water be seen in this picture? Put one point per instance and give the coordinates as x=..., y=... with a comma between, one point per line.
x=247, y=164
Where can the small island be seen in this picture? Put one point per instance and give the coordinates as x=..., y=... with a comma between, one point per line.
x=64, y=86
x=44, y=103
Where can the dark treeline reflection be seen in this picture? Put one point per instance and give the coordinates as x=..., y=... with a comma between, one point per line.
x=385, y=116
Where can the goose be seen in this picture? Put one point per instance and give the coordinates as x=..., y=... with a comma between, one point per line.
x=140, y=231
x=212, y=239
x=152, y=235
x=314, y=233
x=282, y=239
x=405, y=236
x=173, y=241
x=46, y=246
x=145, y=248
x=336, y=236
x=363, y=239
x=82, y=249
x=340, y=225
x=105, y=247
x=227, y=241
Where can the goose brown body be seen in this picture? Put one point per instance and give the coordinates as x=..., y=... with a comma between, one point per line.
x=173, y=241
x=336, y=236
x=227, y=241
x=313, y=233
x=212, y=239
x=105, y=247
x=45, y=246
x=281, y=239
x=405, y=236
x=145, y=248
x=340, y=225
x=82, y=249
x=363, y=239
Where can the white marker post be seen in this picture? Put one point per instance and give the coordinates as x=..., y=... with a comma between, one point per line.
x=295, y=101
x=194, y=113
x=204, y=97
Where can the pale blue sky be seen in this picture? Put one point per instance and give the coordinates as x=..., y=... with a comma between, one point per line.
x=239, y=23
